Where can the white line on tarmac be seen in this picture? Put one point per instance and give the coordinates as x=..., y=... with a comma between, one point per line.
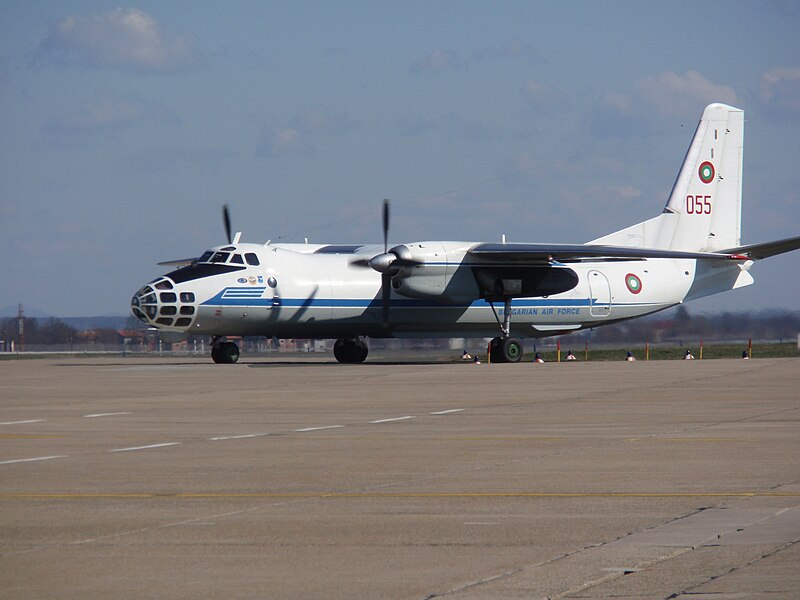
x=21, y=422
x=21, y=460
x=105, y=415
x=447, y=412
x=238, y=437
x=145, y=447
x=391, y=420
x=318, y=428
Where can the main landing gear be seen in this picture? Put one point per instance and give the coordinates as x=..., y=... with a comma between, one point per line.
x=350, y=350
x=505, y=348
x=224, y=352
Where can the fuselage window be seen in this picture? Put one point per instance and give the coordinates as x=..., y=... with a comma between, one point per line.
x=252, y=259
x=168, y=297
x=206, y=256
x=220, y=257
x=237, y=258
x=187, y=296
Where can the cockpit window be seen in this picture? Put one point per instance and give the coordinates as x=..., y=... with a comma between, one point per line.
x=220, y=257
x=197, y=271
x=237, y=259
x=252, y=259
x=206, y=256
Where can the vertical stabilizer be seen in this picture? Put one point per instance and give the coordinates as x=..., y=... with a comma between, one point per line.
x=707, y=196
x=704, y=210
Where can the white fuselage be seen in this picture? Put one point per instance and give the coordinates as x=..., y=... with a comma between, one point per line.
x=297, y=293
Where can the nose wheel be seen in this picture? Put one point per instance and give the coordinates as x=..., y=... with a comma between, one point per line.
x=223, y=352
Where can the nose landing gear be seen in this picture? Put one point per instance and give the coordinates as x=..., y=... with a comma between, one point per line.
x=223, y=352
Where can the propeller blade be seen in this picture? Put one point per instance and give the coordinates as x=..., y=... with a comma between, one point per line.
x=386, y=292
x=385, y=225
x=226, y=219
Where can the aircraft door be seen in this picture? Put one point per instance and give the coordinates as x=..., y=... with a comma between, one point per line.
x=600, y=295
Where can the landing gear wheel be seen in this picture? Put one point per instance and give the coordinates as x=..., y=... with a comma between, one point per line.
x=225, y=353
x=350, y=350
x=505, y=350
x=511, y=349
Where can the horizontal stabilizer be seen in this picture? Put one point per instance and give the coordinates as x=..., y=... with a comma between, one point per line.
x=767, y=249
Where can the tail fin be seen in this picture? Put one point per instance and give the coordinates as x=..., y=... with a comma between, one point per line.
x=704, y=210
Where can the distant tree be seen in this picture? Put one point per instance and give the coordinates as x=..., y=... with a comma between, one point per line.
x=52, y=331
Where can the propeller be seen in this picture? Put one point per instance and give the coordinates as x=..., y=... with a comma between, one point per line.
x=386, y=275
x=226, y=219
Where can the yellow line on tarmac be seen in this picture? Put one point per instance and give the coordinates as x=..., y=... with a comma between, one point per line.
x=391, y=495
x=19, y=436
x=690, y=439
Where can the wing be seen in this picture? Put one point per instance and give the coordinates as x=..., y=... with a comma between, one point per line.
x=181, y=262
x=545, y=254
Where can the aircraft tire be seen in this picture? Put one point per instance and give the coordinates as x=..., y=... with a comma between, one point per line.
x=510, y=349
x=495, y=354
x=350, y=350
x=225, y=353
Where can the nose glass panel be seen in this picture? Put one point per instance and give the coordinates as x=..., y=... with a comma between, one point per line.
x=161, y=308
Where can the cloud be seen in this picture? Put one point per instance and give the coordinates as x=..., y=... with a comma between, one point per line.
x=539, y=97
x=447, y=60
x=513, y=49
x=438, y=60
x=459, y=128
x=125, y=38
x=168, y=158
x=666, y=95
x=672, y=94
x=302, y=133
x=104, y=117
x=780, y=89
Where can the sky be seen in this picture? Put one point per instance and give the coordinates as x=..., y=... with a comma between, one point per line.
x=125, y=128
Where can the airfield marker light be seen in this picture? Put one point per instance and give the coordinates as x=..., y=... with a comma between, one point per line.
x=701, y=349
x=750, y=347
x=586, y=351
x=647, y=351
x=489, y=354
x=558, y=351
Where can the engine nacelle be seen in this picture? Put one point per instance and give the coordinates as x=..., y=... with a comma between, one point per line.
x=426, y=272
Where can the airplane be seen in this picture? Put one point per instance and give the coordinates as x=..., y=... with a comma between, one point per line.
x=353, y=292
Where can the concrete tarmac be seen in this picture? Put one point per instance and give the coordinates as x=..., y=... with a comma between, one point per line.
x=178, y=478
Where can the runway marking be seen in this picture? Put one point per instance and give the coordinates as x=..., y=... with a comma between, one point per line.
x=392, y=420
x=318, y=428
x=145, y=447
x=112, y=414
x=22, y=460
x=25, y=436
x=506, y=438
x=392, y=495
x=22, y=422
x=690, y=440
x=447, y=412
x=238, y=437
